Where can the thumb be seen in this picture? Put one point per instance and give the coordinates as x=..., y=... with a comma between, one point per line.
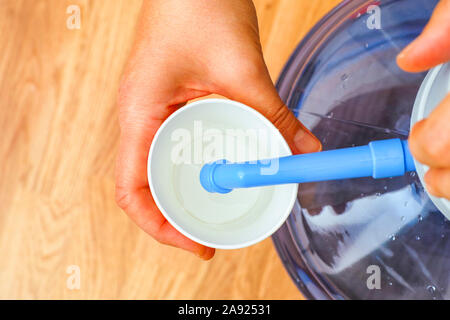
x=432, y=47
x=261, y=95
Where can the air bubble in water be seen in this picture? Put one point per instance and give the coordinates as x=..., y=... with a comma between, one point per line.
x=431, y=289
x=417, y=238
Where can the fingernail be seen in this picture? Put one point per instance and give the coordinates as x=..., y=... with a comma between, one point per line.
x=205, y=253
x=200, y=252
x=306, y=142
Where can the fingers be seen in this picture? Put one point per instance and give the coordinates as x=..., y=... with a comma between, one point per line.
x=429, y=142
x=438, y=182
x=432, y=47
x=255, y=89
x=133, y=194
x=430, y=138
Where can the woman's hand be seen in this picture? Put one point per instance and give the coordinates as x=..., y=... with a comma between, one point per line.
x=187, y=49
x=430, y=138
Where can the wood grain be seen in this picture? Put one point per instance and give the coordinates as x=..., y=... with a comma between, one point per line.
x=57, y=153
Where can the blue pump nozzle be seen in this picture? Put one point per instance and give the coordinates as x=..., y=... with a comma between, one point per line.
x=378, y=159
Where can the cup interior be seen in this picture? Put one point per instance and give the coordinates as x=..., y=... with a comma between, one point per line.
x=235, y=220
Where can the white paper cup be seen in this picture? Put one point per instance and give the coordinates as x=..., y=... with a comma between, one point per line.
x=227, y=221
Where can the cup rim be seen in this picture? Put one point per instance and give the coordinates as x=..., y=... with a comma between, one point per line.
x=167, y=216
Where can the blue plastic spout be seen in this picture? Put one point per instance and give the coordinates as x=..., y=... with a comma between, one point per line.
x=378, y=159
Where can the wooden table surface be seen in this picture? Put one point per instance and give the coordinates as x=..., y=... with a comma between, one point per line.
x=58, y=146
